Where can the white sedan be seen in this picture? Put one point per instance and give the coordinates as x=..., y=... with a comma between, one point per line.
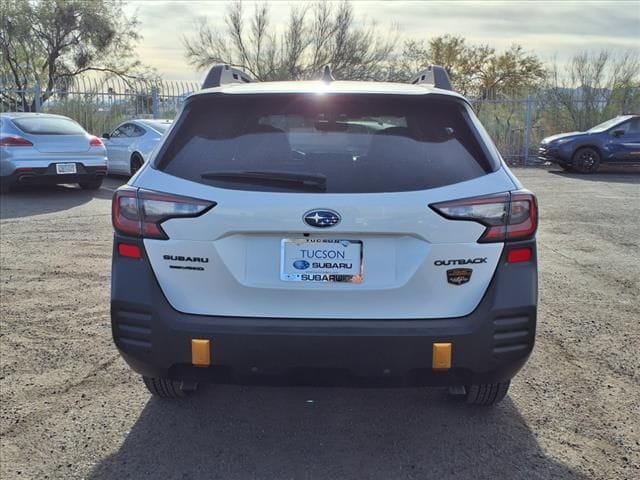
x=130, y=144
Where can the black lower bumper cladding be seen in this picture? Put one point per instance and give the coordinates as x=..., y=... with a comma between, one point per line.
x=489, y=345
x=48, y=175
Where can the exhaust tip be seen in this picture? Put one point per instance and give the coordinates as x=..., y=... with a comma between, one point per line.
x=25, y=178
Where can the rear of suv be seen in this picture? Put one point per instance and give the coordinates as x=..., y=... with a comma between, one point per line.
x=325, y=232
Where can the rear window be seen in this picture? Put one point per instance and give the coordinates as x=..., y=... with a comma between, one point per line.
x=324, y=143
x=48, y=126
x=159, y=127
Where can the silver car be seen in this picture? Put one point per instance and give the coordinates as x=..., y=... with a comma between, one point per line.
x=130, y=144
x=39, y=148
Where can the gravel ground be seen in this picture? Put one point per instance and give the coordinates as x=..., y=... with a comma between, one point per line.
x=70, y=407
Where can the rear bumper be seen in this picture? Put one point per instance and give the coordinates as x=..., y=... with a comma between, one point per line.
x=489, y=345
x=48, y=176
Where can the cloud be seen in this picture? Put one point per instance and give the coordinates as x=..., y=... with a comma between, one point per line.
x=548, y=28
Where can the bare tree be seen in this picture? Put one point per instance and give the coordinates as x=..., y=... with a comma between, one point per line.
x=594, y=86
x=316, y=35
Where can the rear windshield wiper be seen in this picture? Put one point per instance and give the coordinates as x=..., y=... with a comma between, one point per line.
x=279, y=179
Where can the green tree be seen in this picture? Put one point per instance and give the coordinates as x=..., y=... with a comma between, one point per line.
x=313, y=36
x=478, y=71
x=50, y=42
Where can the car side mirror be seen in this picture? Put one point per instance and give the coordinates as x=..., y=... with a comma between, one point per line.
x=106, y=135
x=618, y=133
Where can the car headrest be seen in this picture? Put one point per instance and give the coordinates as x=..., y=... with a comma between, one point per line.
x=391, y=142
x=264, y=146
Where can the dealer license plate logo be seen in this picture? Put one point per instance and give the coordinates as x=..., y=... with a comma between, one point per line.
x=321, y=260
x=65, y=168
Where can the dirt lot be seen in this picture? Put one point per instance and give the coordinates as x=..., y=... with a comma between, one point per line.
x=70, y=408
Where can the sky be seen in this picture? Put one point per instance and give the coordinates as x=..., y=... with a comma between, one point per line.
x=554, y=30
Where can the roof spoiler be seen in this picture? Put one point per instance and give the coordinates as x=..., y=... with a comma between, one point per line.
x=433, y=75
x=224, y=74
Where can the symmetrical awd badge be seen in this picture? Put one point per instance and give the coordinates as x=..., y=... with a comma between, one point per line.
x=321, y=218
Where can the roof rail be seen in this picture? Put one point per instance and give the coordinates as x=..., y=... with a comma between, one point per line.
x=224, y=74
x=435, y=76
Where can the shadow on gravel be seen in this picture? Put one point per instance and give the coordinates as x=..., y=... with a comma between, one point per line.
x=610, y=175
x=26, y=201
x=231, y=432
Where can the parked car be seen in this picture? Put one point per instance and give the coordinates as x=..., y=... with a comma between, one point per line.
x=39, y=148
x=130, y=144
x=614, y=142
x=271, y=236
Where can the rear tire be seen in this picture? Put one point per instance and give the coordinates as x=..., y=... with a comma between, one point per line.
x=135, y=164
x=487, y=394
x=91, y=184
x=586, y=160
x=165, y=388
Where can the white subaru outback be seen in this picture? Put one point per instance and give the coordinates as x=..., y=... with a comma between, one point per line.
x=325, y=232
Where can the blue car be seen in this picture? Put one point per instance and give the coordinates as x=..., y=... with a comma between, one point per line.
x=614, y=142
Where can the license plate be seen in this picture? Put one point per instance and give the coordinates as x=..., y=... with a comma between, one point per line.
x=321, y=260
x=65, y=168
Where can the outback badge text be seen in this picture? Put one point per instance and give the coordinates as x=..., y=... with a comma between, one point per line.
x=460, y=261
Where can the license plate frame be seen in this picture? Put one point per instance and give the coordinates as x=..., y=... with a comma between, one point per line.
x=66, y=169
x=340, y=273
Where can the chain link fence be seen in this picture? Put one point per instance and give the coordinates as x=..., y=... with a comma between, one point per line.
x=517, y=125
x=99, y=105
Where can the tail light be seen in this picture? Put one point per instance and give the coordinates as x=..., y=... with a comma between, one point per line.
x=506, y=216
x=140, y=213
x=96, y=142
x=14, y=141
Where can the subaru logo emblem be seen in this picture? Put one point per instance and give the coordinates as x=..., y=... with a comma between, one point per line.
x=321, y=218
x=301, y=264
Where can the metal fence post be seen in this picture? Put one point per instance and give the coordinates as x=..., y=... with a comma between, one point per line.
x=625, y=105
x=155, y=102
x=527, y=129
x=37, y=96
